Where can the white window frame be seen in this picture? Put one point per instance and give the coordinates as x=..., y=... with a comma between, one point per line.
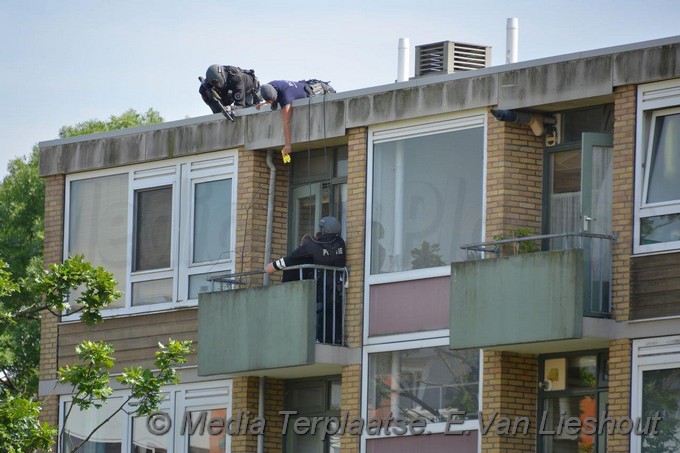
x=177, y=400
x=653, y=100
x=402, y=130
x=432, y=428
x=649, y=354
x=182, y=174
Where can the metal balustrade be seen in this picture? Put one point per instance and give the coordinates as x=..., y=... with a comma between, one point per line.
x=331, y=285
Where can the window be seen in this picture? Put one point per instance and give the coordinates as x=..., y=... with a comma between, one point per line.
x=186, y=429
x=428, y=382
x=427, y=191
x=657, y=221
x=81, y=423
x=162, y=231
x=656, y=393
x=318, y=189
x=98, y=223
x=318, y=397
x=572, y=386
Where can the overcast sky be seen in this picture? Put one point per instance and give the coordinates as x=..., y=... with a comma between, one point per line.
x=66, y=61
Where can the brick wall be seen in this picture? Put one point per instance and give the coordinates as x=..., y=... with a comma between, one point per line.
x=350, y=403
x=356, y=226
x=514, y=179
x=622, y=205
x=620, y=362
x=251, y=222
x=53, y=253
x=510, y=389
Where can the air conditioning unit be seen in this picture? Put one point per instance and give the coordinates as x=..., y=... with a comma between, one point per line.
x=447, y=57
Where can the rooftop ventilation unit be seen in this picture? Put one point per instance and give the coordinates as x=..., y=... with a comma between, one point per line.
x=447, y=56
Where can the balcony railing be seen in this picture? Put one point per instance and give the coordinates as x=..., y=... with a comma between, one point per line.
x=331, y=283
x=597, y=259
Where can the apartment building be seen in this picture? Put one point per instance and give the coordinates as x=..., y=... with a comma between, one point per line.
x=456, y=334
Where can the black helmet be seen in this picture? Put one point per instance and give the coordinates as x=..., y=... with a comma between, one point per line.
x=215, y=76
x=329, y=225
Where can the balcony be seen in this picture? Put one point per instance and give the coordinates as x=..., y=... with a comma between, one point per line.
x=275, y=330
x=533, y=301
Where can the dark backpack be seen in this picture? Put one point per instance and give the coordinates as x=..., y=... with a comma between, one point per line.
x=315, y=87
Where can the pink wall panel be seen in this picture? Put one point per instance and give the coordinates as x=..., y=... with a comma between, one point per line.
x=466, y=443
x=413, y=306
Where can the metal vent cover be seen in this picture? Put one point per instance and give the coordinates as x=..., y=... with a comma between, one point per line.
x=447, y=57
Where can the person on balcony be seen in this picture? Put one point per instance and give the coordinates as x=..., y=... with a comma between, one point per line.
x=326, y=249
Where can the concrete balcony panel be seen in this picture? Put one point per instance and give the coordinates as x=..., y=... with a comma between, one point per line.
x=537, y=297
x=265, y=331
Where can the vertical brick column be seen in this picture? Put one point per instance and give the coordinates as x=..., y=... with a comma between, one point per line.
x=351, y=404
x=620, y=362
x=244, y=400
x=510, y=390
x=514, y=178
x=356, y=226
x=251, y=222
x=53, y=253
x=622, y=205
x=273, y=406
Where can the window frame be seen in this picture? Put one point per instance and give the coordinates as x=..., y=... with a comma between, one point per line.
x=654, y=100
x=414, y=129
x=649, y=354
x=432, y=428
x=182, y=174
x=177, y=401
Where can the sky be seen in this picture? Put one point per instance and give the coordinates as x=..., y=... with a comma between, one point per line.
x=63, y=62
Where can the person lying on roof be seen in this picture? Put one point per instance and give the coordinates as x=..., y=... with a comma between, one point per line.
x=282, y=93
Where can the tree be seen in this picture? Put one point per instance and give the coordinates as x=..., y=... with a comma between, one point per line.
x=91, y=289
x=128, y=119
x=21, y=244
x=22, y=201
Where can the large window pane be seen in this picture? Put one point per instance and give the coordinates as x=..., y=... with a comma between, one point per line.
x=202, y=441
x=567, y=407
x=98, y=222
x=429, y=383
x=661, y=228
x=81, y=424
x=427, y=199
x=153, y=228
x=145, y=442
x=664, y=172
x=661, y=393
x=212, y=221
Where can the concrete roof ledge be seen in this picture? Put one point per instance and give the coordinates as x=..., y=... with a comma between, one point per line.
x=537, y=84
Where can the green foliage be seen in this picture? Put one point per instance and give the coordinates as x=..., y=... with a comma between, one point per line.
x=145, y=386
x=426, y=256
x=91, y=379
x=20, y=429
x=22, y=202
x=96, y=285
x=131, y=118
x=519, y=247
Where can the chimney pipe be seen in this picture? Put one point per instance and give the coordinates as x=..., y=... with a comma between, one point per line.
x=403, y=60
x=511, y=40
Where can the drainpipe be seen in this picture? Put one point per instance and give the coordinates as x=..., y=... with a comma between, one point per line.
x=265, y=278
x=260, y=411
x=270, y=214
